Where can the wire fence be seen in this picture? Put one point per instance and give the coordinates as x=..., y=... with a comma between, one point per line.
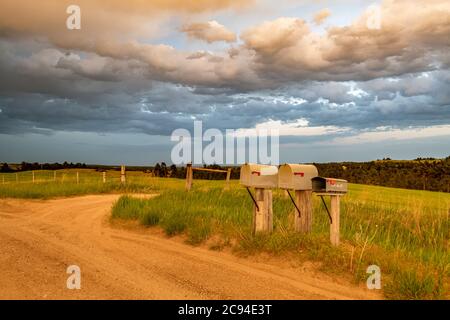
x=67, y=176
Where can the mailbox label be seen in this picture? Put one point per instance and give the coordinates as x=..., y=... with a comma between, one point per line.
x=301, y=174
x=256, y=173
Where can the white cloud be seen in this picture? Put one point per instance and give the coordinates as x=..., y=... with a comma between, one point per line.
x=210, y=32
x=321, y=16
x=389, y=134
x=300, y=127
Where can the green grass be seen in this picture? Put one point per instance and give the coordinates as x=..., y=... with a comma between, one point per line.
x=414, y=285
x=21, y=185
x=405, y=232
x=45, y=186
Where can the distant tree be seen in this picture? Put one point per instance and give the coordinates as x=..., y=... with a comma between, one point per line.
x=157, y=170
x=163, y=172
x=173, y=171
x=5, y=168
x=23, y=166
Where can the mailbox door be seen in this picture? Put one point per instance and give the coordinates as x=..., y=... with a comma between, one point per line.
x=285, y=177
x=319, y=184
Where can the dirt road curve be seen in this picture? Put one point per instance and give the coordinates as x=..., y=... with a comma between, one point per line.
x=40, y=239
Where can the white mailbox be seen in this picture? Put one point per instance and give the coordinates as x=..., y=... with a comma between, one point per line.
x=259, y=176
x=296, y=176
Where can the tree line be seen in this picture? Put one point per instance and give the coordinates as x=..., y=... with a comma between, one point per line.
x=27, y=166
x=421, y=174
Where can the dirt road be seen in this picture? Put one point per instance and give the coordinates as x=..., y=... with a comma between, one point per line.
x=40, y=239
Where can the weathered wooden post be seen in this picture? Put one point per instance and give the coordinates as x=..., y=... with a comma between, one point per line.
x=78, y=178
x=189, y=176
x=263, y=178
x=32, y=176
x=104, y=176
x=335, y=217
x=263, y=212
x=335, y=188
x=54, y=175
x=227, y=183
x=298, y=177
x=122, y=174
x=303, y=222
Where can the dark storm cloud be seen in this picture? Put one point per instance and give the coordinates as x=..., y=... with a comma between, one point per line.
x=349, y=77
x=53, y=90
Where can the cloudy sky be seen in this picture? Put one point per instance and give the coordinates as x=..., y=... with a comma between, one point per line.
x=336, y=87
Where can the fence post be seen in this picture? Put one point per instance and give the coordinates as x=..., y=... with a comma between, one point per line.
x=189, y=176
x=32, y=174
x=78, y=178
x=227, y=183
x=54, y=175
x=104, y=176
x=122, y=174
x=303, y=220
x=335, y=215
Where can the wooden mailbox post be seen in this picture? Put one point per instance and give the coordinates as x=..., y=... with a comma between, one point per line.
x=263, y=179
x=334, y=188
x=298, y=177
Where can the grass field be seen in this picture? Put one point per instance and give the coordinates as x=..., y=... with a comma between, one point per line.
x=405, y=232
x=45, y=185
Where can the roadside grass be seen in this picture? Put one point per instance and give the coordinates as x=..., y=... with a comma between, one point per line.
x=406, y=233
